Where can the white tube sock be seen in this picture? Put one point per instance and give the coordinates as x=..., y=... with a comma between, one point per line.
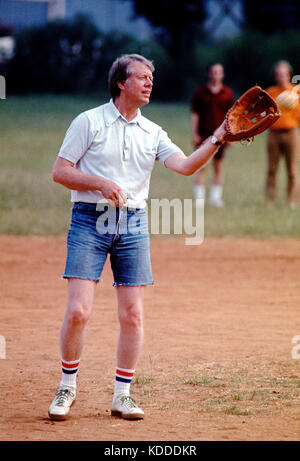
x=199, y=191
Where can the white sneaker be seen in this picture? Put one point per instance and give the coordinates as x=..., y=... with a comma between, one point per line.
x=218, y=203
x=125, y=406
x=293, y=205
x=61, y=404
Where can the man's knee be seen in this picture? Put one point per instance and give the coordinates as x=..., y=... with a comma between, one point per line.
x=78, y=313
x=131, y=315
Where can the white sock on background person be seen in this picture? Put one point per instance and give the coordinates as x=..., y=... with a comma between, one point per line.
x=216, y=193
x=199, y=191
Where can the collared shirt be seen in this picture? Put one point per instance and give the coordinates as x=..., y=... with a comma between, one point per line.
x=102, y=142
x=211, y=107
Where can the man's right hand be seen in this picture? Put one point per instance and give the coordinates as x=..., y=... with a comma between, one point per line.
x=64, y=173
x=112, y=192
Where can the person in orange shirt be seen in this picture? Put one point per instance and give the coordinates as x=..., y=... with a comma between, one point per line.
x=283, y=138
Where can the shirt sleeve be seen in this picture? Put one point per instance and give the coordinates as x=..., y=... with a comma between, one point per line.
x=166, y=147
x=77, y=139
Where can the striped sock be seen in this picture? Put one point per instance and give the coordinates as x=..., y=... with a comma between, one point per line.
x=69, y=373
x=123, y=381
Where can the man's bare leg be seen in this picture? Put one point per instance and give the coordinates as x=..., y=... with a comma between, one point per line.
x=78, y=310
x=79, y=307
x=130, y=314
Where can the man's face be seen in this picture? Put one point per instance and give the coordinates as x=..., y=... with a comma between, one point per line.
x=138, y=86
x=282, y=74
x=216, y=73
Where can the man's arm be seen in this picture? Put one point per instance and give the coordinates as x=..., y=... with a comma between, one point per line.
x=187, y=166
x=64, y=173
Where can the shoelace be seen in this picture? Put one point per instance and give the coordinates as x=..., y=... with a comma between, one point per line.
x=61, y=396
x=129, y=401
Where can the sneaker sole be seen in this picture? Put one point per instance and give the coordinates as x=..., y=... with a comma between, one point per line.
x=126, y=416
x=54, y=417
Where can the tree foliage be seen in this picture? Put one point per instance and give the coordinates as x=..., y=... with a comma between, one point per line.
x=177, y=26
x=173, y=20
x=272, y=16
x=74, y=57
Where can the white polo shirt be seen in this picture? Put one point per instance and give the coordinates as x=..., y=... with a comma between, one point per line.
x=102, y=142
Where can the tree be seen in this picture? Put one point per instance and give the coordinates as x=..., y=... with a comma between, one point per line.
x=57, y=57
x=272, y=16
x=177, y=26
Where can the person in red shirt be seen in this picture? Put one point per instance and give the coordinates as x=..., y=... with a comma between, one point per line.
x=208, y=109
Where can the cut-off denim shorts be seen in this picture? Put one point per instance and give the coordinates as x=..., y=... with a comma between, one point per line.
x=97, y=230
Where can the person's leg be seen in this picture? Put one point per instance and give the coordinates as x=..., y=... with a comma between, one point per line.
x=199, y=178
x=79, y=307
x=218, y=178
x=199, y=186
x=130, y=315
x=291, y=147
x=78, y=310
x=216, y=190
x=274, y=152
x=86, y=256
x=131, y=266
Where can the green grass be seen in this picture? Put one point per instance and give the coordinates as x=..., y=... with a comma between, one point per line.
x=235, y=411
x=32, y=129
x=240, y=388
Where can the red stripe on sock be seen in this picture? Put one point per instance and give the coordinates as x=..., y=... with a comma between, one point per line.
x=124, y=373
x=68, y=365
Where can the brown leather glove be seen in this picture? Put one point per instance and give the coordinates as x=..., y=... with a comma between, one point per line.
x=251, y=114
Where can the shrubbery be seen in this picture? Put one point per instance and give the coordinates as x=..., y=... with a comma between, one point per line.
x=74, y=57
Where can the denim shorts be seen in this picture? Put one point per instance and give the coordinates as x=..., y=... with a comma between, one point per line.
x=97, y=230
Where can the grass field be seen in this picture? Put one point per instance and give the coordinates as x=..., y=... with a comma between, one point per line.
x=32, y=129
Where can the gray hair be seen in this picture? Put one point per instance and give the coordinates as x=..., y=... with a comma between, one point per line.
x=120, y=71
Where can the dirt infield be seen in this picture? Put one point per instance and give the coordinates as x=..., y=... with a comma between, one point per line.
x=216, y=364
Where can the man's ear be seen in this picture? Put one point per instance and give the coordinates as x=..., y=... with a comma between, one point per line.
x=121, y=85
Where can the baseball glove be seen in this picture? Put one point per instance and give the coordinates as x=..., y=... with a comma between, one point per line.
x=251, y=114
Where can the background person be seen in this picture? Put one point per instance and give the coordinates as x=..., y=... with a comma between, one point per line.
x=210, y=104
x=283, y=139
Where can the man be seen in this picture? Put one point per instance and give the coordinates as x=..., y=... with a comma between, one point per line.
x=283, y=139
x=209, y=106
x=106, y=159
